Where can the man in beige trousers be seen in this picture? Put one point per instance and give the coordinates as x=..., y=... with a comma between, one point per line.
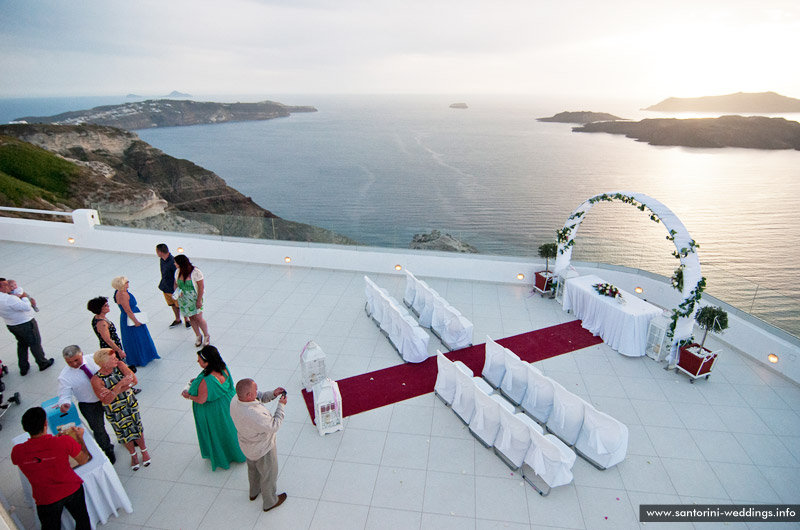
x=257, y=430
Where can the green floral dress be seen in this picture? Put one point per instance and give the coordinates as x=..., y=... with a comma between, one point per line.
x=216, y=433
x=123, y=412
x=187, y=301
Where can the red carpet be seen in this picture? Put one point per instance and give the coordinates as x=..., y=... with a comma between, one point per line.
x=383, y=387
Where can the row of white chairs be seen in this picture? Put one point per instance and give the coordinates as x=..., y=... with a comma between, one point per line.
x=518, y=440
x=596, y=436
x=446, y=322
x=403, y=331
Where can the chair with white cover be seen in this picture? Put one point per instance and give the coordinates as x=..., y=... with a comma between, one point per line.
x=411, y=289
x=567, y=417
x=426, y=313
x=549, y=460
x=371, y=292
x=464, y=399
x=538, y=400
x=513, y=439
x=494, y=367
x=445, y=386
x=414, y=341
x=603, y=440
x=453, y=328
x=515, y=380
x=419, y=298
x=485, y=421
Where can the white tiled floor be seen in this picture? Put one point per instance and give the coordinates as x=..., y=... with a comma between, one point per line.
x=412, y=465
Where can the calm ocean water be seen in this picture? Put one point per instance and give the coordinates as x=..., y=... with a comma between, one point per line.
x=380, y=169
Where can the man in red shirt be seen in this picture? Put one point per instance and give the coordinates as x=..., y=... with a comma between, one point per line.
x=44, y=459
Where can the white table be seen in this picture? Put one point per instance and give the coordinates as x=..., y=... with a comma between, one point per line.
x=103, y=490
x=622, y=326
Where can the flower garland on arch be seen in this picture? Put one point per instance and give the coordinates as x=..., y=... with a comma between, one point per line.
x=686, y=308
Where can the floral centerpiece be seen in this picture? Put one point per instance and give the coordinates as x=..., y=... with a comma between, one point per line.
x=606, y=289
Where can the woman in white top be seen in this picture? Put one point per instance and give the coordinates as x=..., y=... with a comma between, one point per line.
x=190, y=285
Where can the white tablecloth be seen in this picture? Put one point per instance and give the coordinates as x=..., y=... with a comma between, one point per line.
x=104, y=492
x=621, y=326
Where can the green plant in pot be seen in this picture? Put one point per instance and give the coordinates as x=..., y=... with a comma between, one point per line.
x=548, y=251
x=711, y=318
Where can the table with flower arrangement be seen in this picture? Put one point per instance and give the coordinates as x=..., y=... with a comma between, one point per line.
x=621, y=324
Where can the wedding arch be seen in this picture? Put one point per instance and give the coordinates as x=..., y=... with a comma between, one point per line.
x=687, y=277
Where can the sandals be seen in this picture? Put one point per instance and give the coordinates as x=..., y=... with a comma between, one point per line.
x=207, y=340
x=135, y=462
x=146, y=462
x=199, y=341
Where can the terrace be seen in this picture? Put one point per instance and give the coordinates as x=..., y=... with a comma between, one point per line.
x=734, y=438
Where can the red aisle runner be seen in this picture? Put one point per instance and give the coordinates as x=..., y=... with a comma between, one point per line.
x=369, y=391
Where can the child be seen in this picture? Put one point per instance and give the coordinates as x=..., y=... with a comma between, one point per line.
x=17, y=290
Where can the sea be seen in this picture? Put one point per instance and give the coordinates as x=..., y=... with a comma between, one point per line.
x=382, y=168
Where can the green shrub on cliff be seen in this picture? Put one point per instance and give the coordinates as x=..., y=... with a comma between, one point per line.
x=27, y=171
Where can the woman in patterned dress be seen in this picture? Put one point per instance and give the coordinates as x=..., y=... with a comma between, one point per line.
x=113, y=385
x=190, y=284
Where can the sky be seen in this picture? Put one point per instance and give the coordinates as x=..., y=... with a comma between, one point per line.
x=611, y=48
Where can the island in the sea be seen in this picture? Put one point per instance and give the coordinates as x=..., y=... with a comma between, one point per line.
x=169, y=113
x=583, y=116
x=755, y=102
x=753, y=132
x=458, y=106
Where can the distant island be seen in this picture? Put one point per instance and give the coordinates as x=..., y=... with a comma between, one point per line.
x=761, y=102
x=583, y=116
x=458, y=106
x=176, y=94
x=752, y=132
x=168, y=113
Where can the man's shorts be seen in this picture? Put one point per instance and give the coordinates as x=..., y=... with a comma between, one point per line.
x=170, y=300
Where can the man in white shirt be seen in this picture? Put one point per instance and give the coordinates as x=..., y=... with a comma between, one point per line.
x=18, y=315
x=75, y=380
x=257, y=430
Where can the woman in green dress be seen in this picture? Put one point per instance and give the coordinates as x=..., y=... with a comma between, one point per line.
x=211, y=392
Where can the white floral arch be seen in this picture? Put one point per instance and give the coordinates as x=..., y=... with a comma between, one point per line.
x=687, y=278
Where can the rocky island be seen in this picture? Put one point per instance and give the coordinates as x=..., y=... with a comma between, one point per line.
x=757, y=102
x=443, y=242
x=63, y=167
x=753, y=132
x=583, y=116
x=168, y=113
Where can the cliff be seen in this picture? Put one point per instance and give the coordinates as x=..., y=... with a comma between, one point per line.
x=168, y=113
x=438, y=241
x=754, y=132
x=131, y=182
x=760, y=102
x=583, y=116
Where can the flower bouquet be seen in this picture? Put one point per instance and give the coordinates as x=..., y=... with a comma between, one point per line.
x=606, y=289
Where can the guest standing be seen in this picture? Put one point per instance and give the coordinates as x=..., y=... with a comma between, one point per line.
x=44, y=460
x=189, y=280
x=211, y=392
x=18, y=315
x=139, y=346
x=257, y=430
x=75, y=380
x=167, y=283
x=120, y=405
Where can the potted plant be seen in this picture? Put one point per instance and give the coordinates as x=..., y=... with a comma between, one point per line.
x=695, y=360
x=543, y=280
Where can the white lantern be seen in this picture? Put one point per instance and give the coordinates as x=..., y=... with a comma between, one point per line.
x=328, y=407
x=658, y=345
x=312, y=363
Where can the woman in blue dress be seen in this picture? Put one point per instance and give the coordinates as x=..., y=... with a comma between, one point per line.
x=136, y=340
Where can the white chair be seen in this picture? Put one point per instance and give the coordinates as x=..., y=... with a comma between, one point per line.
x=486, y=420
x=450, y=325
x=445, y=386
x=414, y=341
x=538, y=400
x=426, y=313
x=550, y=460
x=567, y=417
x=494, y=367
x=411, y=289
x=370, y=291
x=515, y=380
x=513, y=439
x=464, y=400
x=419, y=298
x=603, y=440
